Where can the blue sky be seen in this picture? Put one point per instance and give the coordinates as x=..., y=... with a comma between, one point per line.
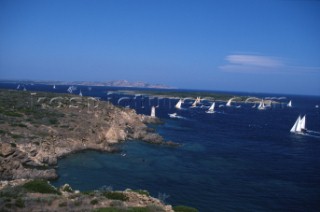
x=254, y=46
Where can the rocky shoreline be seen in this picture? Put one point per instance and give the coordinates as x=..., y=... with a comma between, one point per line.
x=38, y=128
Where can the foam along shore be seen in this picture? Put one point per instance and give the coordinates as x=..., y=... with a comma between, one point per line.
x=38, y=128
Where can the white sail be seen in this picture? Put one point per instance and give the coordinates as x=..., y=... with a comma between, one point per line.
x=289, y=104
x=229, y=102
x=211, y=109
x=54, y=86
x=153, y=111
x=261, y=105
x=178, y=105
x=303, y=123
x=18, y=86
x=295, y=126
x=80, y=94
x=194, y=104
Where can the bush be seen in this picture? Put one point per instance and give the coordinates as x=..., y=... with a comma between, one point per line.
x=20, y=203
x=183, y=208
x=53, y=121
x=108, y=210
x=63, y=204
x=142, y=192
x=40, y=186
x=94, y=202
x=13, y=114
x=135, y=209
x=116, y=196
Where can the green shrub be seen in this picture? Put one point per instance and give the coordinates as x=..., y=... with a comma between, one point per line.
x=183, y=208
x=15, y=136
x=94, y=202
x=90, y=193
x=133, y=209
x=53, y=121
x=142, y=192
x=40, y=186
x=12, y=113
x=20, y=203
x=116, y=196
x=63, y=204
x=8, y=205
x=77, y=203
x=108, y=210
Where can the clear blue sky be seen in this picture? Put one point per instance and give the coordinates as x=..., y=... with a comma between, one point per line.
x=256, y=46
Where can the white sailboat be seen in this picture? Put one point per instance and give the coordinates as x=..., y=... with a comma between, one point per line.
x=197, y=101
x=229, y=102
x=261, y=105
x=289, y=104
x=18, y=87
x=153, y=111
x=194, y=104
x=178, y=105
x=80, y=94
x=54, y=86
x=211, y=109
x=299, y=126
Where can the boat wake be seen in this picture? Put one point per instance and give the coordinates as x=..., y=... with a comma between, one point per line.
x=312, y=134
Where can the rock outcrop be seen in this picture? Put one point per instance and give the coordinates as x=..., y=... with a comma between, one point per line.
x=34, y=133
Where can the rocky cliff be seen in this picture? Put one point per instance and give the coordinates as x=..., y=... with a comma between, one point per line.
x=38, y=128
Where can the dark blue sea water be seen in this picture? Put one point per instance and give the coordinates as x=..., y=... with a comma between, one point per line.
x=237, y=159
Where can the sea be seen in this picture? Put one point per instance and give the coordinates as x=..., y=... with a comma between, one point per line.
x=236, y=159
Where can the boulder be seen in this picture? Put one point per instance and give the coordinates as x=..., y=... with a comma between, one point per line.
x=7, y=149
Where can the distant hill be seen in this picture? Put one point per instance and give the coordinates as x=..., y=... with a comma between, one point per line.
x=114, y=83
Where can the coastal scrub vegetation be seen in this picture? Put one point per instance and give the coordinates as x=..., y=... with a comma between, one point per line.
x=115, y=195
x=183, y=208
x=40, y=186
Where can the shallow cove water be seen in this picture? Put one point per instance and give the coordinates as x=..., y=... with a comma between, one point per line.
x=237, y=159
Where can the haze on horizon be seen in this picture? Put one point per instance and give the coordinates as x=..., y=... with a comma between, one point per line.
x=252, y=46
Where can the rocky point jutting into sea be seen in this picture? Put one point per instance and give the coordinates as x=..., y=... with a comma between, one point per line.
x=38, y=128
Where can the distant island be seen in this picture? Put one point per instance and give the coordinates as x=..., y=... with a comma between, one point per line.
x=113, y=83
